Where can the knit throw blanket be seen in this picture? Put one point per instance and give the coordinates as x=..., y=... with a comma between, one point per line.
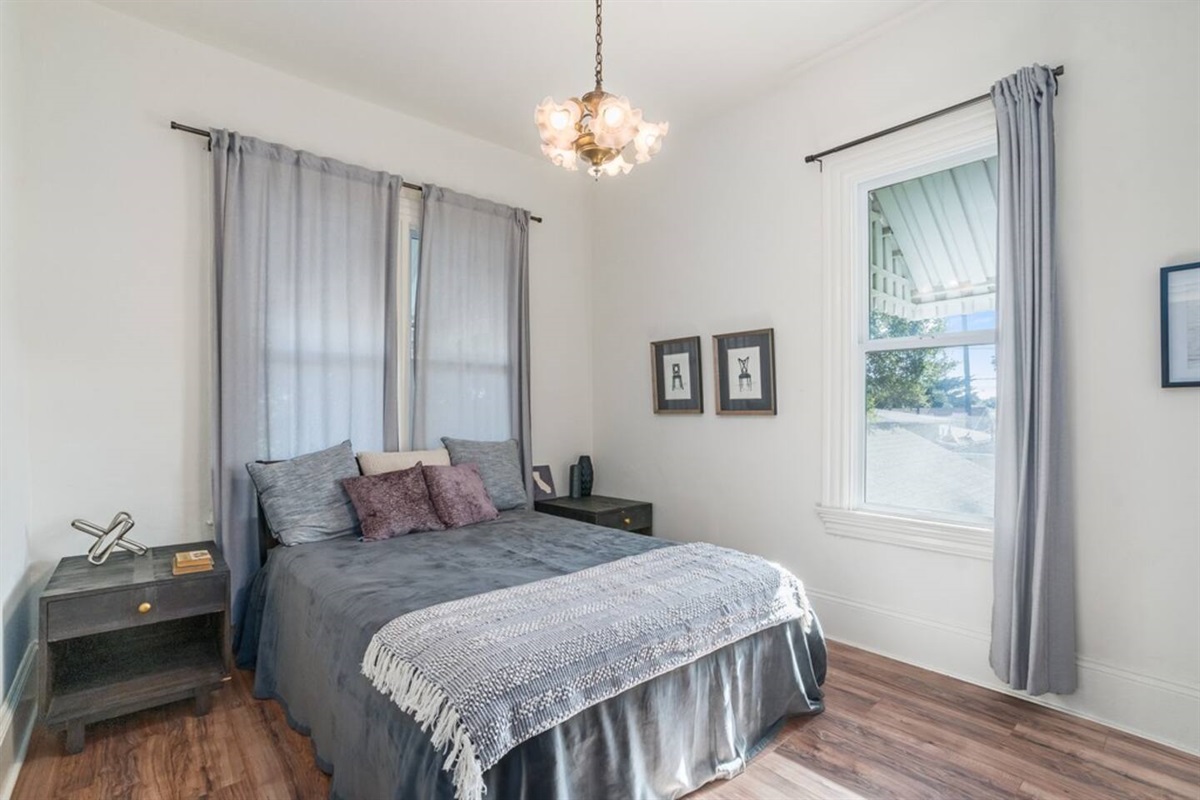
x=487, y=672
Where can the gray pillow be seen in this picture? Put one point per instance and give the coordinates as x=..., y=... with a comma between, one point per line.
x=303, y=498
x=499, y=465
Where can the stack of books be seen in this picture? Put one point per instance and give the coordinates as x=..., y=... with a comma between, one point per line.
x=189, y=561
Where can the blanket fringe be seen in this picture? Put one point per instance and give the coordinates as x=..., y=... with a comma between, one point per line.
x=431, y=708
x=807, y=615
x=791, y=594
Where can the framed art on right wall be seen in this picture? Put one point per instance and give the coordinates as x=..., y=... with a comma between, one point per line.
x=1180, y=292
x=745, y=367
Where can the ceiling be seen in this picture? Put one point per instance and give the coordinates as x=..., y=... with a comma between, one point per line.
x=480, y=66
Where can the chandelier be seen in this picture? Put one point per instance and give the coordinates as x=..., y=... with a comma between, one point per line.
x=598, y=129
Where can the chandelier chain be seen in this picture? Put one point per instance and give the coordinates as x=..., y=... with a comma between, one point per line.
x=599, y=43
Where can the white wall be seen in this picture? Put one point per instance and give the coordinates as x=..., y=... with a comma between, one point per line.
x=723, y=233
x=17, y=601
x=14, y=441
x=115, y=262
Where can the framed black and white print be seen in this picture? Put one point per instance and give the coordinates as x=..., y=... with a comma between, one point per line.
x=675, y=370
x=745, y=367
x=1180, y=289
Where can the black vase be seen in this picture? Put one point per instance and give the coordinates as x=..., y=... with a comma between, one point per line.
x=586, y=476
x=576, y=492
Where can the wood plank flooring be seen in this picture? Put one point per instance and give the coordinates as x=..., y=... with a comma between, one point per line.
x=890, y=730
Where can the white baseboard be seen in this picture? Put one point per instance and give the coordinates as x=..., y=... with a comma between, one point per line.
x=1144, y=705
x=16, y=722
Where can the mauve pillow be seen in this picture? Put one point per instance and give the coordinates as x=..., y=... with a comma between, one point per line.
x=499, y=466
x=458, y=495
x=393, y=503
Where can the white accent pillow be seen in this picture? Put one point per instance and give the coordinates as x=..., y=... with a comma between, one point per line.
x=379, y=463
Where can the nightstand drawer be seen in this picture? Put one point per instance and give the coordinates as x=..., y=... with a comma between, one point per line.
x=110, y=611
x=635, y=518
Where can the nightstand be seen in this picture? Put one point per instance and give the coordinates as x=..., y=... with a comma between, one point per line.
x=609, y=512
x=128, y=635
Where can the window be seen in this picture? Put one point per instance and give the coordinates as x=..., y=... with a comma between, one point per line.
x=910, y=375
x=928, y=351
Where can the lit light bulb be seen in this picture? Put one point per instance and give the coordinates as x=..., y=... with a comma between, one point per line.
x=556, y=123
x=615, y=122
x=560, y=157
x=648, y=140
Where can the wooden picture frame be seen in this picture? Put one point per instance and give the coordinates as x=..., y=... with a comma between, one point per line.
x=1179, y=297
x=678, y=386
x=744, y=364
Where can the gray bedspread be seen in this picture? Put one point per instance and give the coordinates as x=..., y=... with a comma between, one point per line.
x=315, y=607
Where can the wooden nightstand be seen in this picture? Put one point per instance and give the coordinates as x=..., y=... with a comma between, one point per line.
x=610, y=512
x=127, y=635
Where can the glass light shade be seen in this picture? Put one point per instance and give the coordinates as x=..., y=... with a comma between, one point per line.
x=616, y=166
x=615, y=122
x=648, y=140
x=556, y=123
x=561, y=156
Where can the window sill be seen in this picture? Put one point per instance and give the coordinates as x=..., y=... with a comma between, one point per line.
x=920, y=534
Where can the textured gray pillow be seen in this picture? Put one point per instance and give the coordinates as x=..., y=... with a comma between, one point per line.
x=303, y=498
x=499, y=465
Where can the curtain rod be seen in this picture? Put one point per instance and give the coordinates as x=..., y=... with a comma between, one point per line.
x=177, y=126
x=934, y=115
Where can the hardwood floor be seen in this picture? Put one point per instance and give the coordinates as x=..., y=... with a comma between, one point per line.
x=889, y=731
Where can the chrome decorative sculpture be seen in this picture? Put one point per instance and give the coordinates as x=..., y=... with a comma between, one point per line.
x=110, y=538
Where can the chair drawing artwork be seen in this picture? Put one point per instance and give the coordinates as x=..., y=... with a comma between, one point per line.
x=745, y=379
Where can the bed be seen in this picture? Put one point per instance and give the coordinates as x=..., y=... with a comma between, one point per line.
x=313, y=609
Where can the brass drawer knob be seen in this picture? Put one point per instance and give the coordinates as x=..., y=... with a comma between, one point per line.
x=628, y=520
x=143, y=608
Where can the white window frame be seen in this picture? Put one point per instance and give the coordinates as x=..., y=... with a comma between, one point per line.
x=958, y=138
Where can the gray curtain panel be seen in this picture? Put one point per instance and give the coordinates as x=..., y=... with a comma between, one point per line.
x=305, y=320
x=471, y=346
x=1033, y=613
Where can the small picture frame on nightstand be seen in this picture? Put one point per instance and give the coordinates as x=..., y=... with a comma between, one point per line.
x=543, y=483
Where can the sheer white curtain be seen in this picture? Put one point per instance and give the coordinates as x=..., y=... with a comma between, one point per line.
x=471, y=366
x=306, y=355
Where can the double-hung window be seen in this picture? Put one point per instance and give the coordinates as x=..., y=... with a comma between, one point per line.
x=911, y=316
x=928, y=350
